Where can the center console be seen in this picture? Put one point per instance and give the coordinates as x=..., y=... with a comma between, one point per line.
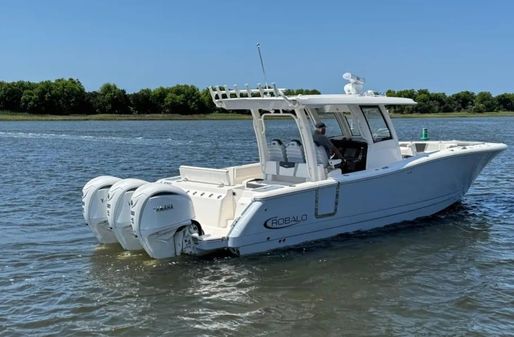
x=354, y=154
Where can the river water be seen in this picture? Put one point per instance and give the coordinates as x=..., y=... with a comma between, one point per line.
x=450, y=274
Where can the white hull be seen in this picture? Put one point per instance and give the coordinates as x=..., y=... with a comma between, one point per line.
x=248, y=219
x=365, y=203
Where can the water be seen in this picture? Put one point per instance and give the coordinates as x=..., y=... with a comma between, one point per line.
x=451, y=274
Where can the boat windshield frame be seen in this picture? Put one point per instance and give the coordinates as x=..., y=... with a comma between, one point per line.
x=273, y=101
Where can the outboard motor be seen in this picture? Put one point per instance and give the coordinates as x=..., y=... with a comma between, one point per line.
x=118, y=212
x=162, y=218
x=94, y=200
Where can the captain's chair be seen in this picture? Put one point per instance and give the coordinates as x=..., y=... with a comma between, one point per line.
x=321, y=155
x=322, y=158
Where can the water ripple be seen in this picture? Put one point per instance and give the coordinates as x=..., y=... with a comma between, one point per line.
x=450, y=274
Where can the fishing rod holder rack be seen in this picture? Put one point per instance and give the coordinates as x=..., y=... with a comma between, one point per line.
x=224, y=92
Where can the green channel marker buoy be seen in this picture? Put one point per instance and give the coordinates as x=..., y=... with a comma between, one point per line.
x=424, y=134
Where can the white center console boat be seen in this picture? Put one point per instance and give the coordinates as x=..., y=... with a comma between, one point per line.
x=295, y=193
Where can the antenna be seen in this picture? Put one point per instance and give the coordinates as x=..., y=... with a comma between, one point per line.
x=262, y=65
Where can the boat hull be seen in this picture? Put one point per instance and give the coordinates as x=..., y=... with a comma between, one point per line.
x=351, y=204
x=270, y=215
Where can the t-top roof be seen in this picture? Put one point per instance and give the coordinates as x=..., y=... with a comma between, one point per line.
x=292, y=102
x=352, y=99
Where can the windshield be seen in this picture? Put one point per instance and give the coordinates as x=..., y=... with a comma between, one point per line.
x=352, y=124
x=333, y=128
x=377, y=124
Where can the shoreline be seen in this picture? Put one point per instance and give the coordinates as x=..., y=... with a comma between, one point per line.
x=456, y=115
x=18, y=116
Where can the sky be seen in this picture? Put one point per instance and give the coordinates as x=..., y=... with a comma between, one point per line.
x=444, y=46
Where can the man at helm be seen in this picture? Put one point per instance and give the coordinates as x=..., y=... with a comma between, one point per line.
x=320, y=139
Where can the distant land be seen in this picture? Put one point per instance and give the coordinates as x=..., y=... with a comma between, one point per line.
x=66, y=99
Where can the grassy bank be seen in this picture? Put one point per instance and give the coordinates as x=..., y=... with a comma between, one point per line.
x=456, y=115
x=15, y=116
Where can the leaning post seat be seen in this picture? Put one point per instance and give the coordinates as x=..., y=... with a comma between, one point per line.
x=276, y=155
x=294, y=152
x=295, y=165
x=277, y=151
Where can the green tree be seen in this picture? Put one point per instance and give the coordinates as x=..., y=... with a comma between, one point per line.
x=91, y=101
x=391, y=93
x=403, y=109
x=207, y=101
x=111, y=100
x=484, y=101
x=71, y=96
x=59, y=97
x=409, y=93
x=29, y=102
x=143, y=103
x=158, y=96
x=184, y=99
x=11, y=94
x=425, y=105
x=505, y=102
x=442, y=102
x=464, y=100
x=43, y=99
x=295, y=92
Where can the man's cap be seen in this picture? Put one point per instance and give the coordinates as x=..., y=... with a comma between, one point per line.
x=320, y=125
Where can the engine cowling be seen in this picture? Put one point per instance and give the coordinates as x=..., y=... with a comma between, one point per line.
x=94, y=201
x=161, y=216
x=118, y=212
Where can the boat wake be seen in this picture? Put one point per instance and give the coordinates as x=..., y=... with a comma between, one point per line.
x=89, y=138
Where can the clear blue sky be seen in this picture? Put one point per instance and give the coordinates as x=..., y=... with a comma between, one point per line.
x=444, y=46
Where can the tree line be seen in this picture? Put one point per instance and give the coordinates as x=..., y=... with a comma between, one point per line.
x=464, y=101
x=68, y=96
